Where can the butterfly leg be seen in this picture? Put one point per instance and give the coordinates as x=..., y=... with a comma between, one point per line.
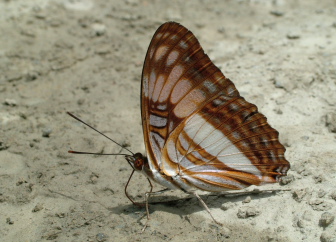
x=126, y=193
x=206, y=207
x=147, y=195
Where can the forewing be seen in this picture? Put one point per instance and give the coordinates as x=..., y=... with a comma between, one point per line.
x=177, y=78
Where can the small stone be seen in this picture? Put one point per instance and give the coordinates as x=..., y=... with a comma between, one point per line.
x=46, y=132
x=305, y=220
x=9, y=221
x=301, y=223
x=10, y=102
x=3, y=146
x=277, y=13
x=80, y=101
x=330, y=122
x=247, y=199
x=28, y=32
x=103, y=50
x=40, y=16
x=299, y=194
x=326, y=219
x=321, y=193
x=333, y=195
x=221, y=30
x=62, y=44
x=21, y=181
x=320, y=205
x=247, y=212
x=94, y=178
x=304, y=137
x=60, y=215
x=286, y=180
x=328, y=236
x=98, y=29
x=278, y=111
x=37, y=208
x=31, y=76
x=226, y=206
x=283, y=82
x=293, y=36
x=101, y=237
x=55, y=22
x=318, y=178
x=51, y=236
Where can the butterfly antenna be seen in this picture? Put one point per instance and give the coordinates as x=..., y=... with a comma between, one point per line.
x=77, y=152
x=91, y=153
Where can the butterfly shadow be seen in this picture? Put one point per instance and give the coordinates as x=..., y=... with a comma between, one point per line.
x=183, y=206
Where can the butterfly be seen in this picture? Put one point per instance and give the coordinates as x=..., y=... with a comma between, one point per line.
x=199, y=133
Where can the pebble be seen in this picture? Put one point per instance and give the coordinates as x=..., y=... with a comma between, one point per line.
x=326, y=219
x=247, y=199
x=283, y=82
x=9, y=221
x=10, y=102
x=293, y=36
x=98, y=29
x=328, y=236
x=37, y=208
x=277, y=13
x=321, y=193
x=333, y=195
x=101, y=237
x=28, y=32
x=330, y=122
x=286, y=179
x=318, y=178
x=3, y=145
x=46, y=132
x=31, y=76
x=299, y=194
x=227, y=205
x=55, y=22
x=247, y=212
x=320, y=205
x=305, y=220
x=80, y=101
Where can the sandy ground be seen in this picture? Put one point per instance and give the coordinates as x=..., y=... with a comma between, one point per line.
x=86, y=57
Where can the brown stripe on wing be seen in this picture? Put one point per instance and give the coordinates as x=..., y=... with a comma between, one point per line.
x=219, y=181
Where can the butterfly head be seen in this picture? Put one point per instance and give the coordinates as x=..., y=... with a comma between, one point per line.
x=137, y=161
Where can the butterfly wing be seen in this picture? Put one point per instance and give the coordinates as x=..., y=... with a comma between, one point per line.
x=197, y=127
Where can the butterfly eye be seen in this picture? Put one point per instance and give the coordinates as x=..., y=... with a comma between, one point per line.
x=138, y=163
